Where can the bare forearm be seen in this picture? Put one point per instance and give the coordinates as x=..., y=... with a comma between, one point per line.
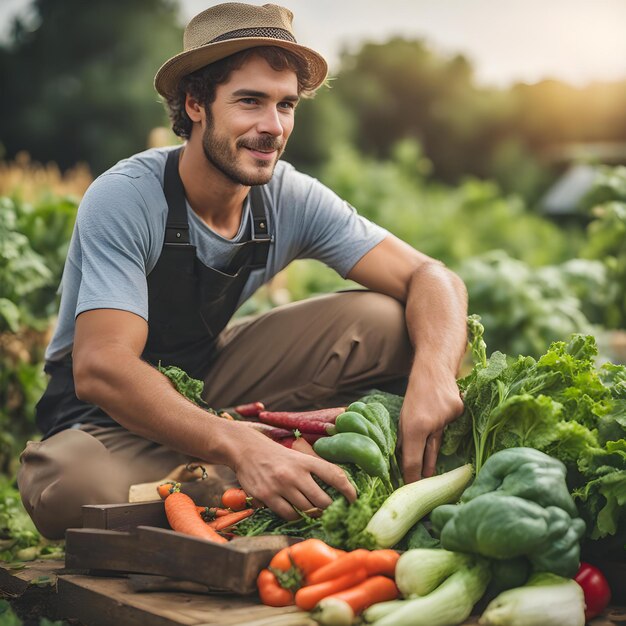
x=143, y=400
x=436, y=313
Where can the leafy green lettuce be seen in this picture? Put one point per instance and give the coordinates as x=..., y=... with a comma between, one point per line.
x=562, y=404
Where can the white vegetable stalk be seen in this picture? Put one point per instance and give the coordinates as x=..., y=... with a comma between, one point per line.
x=448, y=605
x=407, y=505
x=420, y=571
x=546, y=600
x=381, y=609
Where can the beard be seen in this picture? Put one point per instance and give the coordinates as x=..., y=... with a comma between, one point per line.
x=225, y=159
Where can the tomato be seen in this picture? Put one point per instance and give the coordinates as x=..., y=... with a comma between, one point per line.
x=596, y=589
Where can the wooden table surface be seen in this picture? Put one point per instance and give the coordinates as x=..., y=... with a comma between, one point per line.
x=45, y=588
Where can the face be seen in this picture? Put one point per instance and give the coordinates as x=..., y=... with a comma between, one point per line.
x=247, y=127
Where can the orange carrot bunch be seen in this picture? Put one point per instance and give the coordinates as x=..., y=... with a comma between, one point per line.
x=185, y=516
x=318, y=578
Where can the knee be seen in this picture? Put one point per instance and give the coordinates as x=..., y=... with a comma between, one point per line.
x=372, y=334
x=378, y=320
x=56, y=478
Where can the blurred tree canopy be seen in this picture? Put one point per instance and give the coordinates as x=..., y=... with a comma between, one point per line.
x=403, y=89
x=80, y=89
x=80, y=81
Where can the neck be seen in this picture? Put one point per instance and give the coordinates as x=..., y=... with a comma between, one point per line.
x=216, y=199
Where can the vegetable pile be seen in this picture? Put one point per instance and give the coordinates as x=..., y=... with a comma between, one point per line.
x=547, y=440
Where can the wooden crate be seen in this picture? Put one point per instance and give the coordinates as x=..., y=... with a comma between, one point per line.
x=135, y=538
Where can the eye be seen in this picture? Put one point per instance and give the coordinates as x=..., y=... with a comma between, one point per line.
x=250, y=101
x=287, y=105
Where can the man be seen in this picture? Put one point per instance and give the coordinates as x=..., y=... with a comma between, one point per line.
x=170, y=242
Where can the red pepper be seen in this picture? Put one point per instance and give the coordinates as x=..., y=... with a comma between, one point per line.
x=271, y=593
x=596, y=589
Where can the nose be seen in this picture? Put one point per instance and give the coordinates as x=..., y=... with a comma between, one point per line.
x=270, y=122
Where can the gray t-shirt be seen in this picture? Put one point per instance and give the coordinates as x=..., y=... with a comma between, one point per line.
x=120, y=228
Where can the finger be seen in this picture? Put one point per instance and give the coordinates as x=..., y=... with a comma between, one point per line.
x=413, y=458
x=282, y=507
x=430, y=453
x=315, y=494
x=335, y=477
x=297, y=499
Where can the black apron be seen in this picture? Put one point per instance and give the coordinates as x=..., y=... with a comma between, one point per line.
x=189, y=304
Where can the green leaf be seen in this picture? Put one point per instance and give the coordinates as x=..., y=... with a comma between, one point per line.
x=11, y=315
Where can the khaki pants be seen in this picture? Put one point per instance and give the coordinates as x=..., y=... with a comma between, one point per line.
x=315, y=353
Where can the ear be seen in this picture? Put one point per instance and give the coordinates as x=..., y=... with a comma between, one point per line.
x=194, y=109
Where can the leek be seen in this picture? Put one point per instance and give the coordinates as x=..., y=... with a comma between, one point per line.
x=420, y=571
x=408, y=504
x=448, y=605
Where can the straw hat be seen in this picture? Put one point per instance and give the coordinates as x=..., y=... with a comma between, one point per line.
x=227, y=28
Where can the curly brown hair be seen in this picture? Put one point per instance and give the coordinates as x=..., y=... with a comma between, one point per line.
x=202, y=84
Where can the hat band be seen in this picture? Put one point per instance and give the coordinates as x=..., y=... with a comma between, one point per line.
x=271, y=33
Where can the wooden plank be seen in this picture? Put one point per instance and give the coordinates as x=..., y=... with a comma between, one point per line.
x=233, y=566
x=111, y=601
x=124, y=516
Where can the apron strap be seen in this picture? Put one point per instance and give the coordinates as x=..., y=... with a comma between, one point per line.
x=261, y=239
x=177, y=226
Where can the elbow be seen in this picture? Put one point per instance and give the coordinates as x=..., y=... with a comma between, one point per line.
x=85, y=378
x=93, y=375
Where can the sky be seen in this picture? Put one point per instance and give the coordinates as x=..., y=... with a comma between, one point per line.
x=507, y=41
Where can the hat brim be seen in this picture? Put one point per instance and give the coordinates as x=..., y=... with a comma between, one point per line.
x=167, y=78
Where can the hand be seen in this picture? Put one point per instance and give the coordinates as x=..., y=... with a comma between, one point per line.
x=432, y=401
x=282, y=478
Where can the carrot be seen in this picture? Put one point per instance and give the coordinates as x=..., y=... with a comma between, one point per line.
x=339, y=566
x=208, y=514
x=166, y=488
x=307, y=597
x=292, y=422
x=271, y=593
x=273, y=432
x=302, y=445
x=184, y=517
x=295, y=563
x=382, y=562
x=230, y=520
x=287, y=441
x=342, y=607
x=251, y=409
x=304, y=421
x=311, y=438
x=235, y=499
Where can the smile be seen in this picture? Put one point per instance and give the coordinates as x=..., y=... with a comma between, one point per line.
x=262, y=155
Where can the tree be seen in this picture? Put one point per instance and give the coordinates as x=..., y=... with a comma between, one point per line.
x=79, y=84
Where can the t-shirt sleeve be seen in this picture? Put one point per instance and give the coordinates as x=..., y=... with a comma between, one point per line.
x=331, y=230
x=114, y=238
